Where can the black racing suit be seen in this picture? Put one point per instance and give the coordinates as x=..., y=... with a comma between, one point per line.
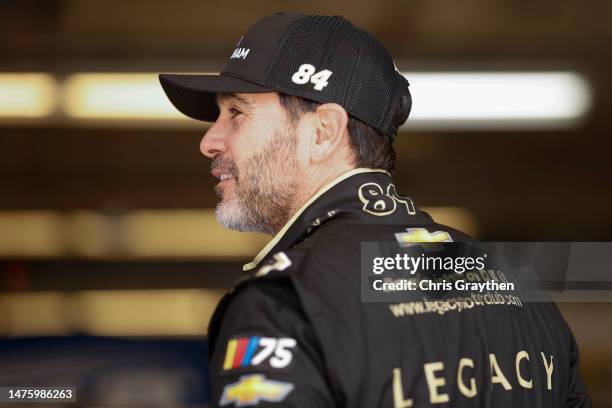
x=294, y=332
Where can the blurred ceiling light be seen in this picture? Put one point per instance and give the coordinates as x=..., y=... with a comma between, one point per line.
x=116, y=96
x=498, y=99
x=27, y=95
x=32, y=314
x=147, y=234
x=172, y=312
x=185, y=233
x=137, y=234
x=442, y=100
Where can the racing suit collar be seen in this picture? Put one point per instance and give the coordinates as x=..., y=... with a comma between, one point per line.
x=321, y=203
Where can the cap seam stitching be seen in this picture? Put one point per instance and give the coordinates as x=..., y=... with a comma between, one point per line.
x=283, y=40
x=358, y=63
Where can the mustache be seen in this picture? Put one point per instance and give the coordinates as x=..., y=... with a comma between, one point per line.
x=224, y=165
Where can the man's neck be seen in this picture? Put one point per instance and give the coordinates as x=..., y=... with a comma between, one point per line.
x=313, y=183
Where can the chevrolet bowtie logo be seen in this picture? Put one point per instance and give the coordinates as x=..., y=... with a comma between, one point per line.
x=251, y=389
x=416, y=236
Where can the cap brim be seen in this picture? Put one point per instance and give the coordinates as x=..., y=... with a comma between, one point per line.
x=194, y=95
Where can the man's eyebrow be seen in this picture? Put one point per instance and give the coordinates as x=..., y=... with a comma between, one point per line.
x=225, y=96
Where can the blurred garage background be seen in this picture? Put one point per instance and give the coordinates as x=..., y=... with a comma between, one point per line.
x=110, y=258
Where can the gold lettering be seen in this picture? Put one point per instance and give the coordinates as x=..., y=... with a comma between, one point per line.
x=433, y=382
x=549, y=370
x=398, y=391
x=520, y=356
x=497, y=376
x=468, y=392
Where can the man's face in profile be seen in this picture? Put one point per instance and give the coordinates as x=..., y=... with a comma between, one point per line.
x=254, y=147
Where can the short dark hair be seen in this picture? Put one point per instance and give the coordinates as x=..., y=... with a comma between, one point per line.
x=371, y=148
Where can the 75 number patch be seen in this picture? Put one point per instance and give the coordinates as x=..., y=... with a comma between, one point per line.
x=255, y=350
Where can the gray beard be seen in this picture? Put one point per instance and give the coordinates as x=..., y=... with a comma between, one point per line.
x=265, y=188
x=233, y=214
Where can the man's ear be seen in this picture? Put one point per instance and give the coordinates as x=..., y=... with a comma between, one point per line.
x=330, y=130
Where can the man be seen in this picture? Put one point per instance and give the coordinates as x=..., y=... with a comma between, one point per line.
x=305, y=113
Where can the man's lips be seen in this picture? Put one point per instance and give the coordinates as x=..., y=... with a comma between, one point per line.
x=222, y=175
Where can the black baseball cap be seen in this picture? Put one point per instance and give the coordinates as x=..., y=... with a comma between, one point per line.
x=320, y=58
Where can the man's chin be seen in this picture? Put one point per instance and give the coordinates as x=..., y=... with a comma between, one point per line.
x=225, y=216
x=231, y=215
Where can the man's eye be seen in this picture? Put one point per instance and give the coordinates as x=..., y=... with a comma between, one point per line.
x=234, y=112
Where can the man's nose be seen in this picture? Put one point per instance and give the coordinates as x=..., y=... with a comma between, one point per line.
x=213, y=142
